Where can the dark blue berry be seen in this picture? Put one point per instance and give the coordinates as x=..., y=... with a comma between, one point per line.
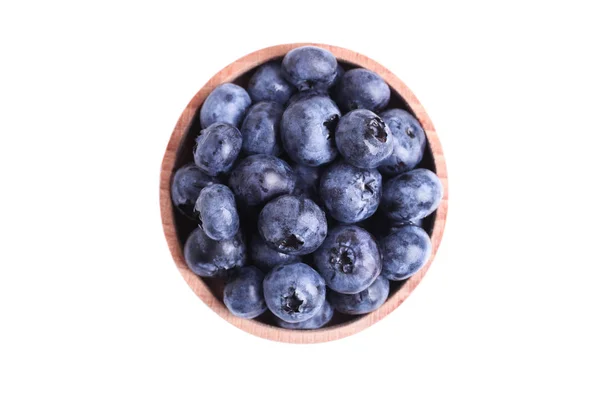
x=217, y=148
x=412, y=195
x=243, y=294
x=260, y=129
x=361, y=88
x=408, y=139
x=363, y=139
x=292, y=225
x=207, y=257
x=310, y=67
x=269, y=84
x=307, y=130
x=226, y=103
x=217, y=211
x=294, y=292
x=405, y=252
x=261, y=177
x=349, y=259
x=350, y=194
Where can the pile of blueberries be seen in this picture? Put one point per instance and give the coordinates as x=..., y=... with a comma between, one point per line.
x=287, y=188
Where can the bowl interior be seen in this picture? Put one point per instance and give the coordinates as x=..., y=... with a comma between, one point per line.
x=184, y=226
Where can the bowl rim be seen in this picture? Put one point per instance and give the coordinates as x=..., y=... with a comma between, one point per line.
x=230, y=73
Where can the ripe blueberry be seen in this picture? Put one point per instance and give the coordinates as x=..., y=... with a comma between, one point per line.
x=349, y=259
x=412, y=195
x=292, y=225
x=207, y=257
x=363, y=139
x=226, y=103
x=243, y=294
x=294, y=292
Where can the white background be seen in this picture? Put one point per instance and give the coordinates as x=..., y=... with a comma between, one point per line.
x=91, y=305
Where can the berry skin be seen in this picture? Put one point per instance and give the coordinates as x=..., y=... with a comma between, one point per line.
x=269, y=84
x=226, y=103
x=292, y=225
x=408, y=139
x=361, y=88
x=412, y=195
x=260, y=129
x=307, y=130
x=217, y=148
x=207, y=257
x=348, y=260
x=405, y=252
x=243, y=294
x=364, y=302
x=260, y=178
x=363, y=139
x=310, y=67
x=350, y=194
x=294, y=292
x=218, y=214
x=320, y=319
x=187, y=183
x=266, y=258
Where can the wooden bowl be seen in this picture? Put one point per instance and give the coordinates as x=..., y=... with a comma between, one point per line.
x=176, y=227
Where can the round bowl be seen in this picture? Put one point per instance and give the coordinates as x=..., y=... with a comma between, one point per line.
x=176, y=227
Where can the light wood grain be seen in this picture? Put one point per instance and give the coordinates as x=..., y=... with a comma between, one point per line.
x=230, y=73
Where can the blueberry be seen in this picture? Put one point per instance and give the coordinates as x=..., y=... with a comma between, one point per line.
x=350, y=194
x=349, y=259
x=361, y=88
x=218, y=215
x=260, y=129
x=269, y=84
x=226, y=103
x=207, y=257
x=307, y=130
x=243, y=294
x=292, y=225
x=265, y=257
x=408, y=139
x=187, y=183
x=412, y=195
x=217, y=148
x=363, y=139
x=261, y=177
x=307, y=181
x=319, y=320
x=294, y=292
x=364, y=302
x=405, y=252
x=309, y=67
